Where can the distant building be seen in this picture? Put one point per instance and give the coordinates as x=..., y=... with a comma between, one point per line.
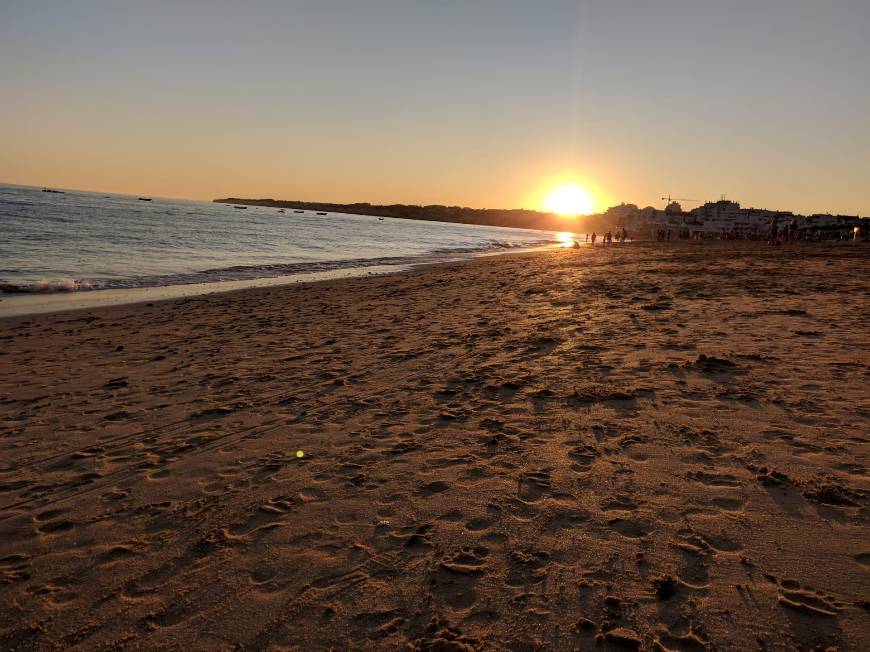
x=620, y=213
x=723, y=218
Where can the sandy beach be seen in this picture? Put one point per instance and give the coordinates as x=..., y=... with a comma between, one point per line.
x=636, y=447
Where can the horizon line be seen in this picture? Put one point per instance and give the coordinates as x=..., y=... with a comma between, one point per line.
x=220, y=200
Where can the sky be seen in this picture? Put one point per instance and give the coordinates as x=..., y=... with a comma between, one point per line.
x=483, y=103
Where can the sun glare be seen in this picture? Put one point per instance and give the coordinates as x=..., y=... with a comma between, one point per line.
x=569, y=199
x=565, y=238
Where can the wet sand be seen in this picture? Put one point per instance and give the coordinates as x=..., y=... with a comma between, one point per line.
x=648, y=446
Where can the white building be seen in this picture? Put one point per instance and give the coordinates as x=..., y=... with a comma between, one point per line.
x=720, y=218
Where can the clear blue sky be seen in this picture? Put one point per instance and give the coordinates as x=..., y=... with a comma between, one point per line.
x=447, y=101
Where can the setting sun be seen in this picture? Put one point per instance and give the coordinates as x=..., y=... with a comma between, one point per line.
x=569, y=199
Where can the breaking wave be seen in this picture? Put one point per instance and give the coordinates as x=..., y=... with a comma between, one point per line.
x=270, y=270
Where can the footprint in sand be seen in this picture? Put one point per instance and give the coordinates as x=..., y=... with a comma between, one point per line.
x=49, y=514
x=214, y=487
x=631, y=528
x=863, y=559
x=533, y=485
x=56, y=527
x=456, y=575
x=690, y=642
x=56, y=595
x=527, y=567
x=619, y=503
x=159, y=474
x=14, y=568
x=722, y=543
x=564, y=518
x=116, y=553
x=583, y=457
x=693, y=541
x=808, y=603
x=434, y=487
x=266, y=516
x=714, y=479
x=693, y=571
x=414, y=538
x=115, y=493
x=519, y=509
x=262, y=579
x=729, y=504
x=452, y=515
x=477, y=524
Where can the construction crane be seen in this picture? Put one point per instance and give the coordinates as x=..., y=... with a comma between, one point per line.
x=669, y=199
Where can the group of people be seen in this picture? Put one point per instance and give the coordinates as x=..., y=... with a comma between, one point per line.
x=775, y=234
x=607, y=238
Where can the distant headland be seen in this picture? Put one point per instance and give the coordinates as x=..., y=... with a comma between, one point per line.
x=721, y=218
x=520, y=218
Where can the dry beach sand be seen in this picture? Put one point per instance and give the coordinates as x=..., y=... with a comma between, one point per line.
x=648, y=446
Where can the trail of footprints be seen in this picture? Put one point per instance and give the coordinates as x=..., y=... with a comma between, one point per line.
x=548, y=503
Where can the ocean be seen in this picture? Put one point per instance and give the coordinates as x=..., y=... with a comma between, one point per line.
x=74, y=241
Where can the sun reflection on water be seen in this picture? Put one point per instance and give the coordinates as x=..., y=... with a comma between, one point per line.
x=566, y=238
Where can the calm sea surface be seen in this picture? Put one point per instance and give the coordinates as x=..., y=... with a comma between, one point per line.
x=87, y=241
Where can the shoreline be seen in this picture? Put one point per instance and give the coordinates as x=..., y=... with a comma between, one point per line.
x=609, y=448
x=205, y=247
x=38, y=303
x=29, y=304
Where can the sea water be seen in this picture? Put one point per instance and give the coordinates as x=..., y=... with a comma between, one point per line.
x=86, y=241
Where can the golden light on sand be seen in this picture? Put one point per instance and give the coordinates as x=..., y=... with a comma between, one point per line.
x=569, y=199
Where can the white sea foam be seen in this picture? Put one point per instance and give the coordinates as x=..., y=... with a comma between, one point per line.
x=58, y=285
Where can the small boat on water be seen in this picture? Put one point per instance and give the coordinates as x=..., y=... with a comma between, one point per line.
x=321, y=213
x=144, y=198
x=241, y=208
x=280, y=210
x=56, y=192
x=298, y=211
x=380, y=219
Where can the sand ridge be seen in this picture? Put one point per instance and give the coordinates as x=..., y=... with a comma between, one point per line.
x=634, y=447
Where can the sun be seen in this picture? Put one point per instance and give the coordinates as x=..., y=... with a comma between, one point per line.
x=569, y=199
